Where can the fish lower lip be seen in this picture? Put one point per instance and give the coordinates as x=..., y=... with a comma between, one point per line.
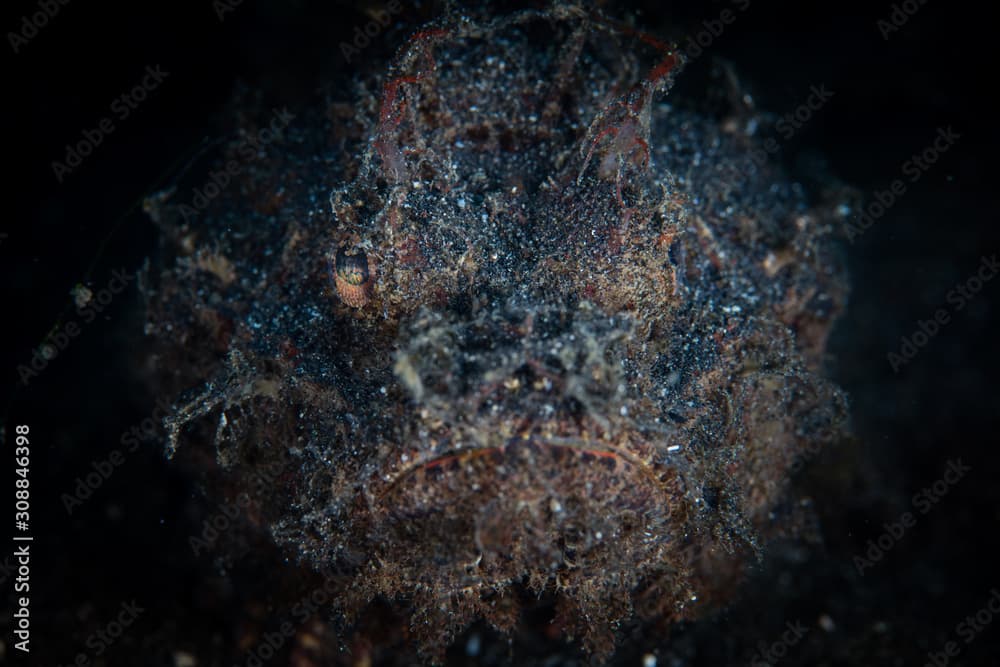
x=540, y=504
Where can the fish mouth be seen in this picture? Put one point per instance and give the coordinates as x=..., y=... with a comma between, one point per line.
x=562, y=478
x=530, y=508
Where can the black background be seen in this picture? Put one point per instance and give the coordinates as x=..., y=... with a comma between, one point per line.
x=891, y=97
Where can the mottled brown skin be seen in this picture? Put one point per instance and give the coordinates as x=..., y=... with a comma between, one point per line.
x=574, y=368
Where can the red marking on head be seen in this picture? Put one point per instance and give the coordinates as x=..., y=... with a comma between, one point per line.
x=389, y=93
x=662, y=69
x=453, y=458
x=424, y=35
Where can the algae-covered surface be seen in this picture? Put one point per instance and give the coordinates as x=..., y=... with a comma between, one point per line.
x=516, y=328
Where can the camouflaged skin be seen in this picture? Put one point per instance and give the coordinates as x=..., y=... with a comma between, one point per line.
x=507, y=325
